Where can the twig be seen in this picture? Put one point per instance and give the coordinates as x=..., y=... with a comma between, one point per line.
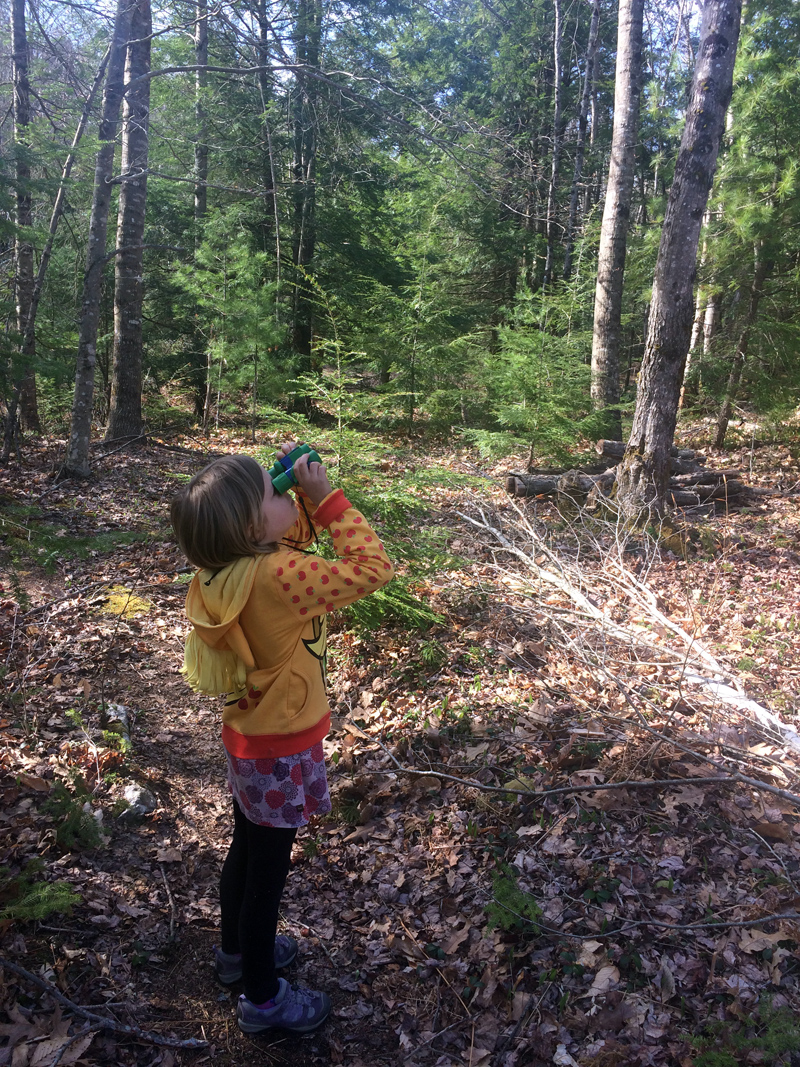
x=88, y=1029
x=98, y=1020
x=766, y=844
x=171, y=899
x=649, y=783
x=737, y=775
x=649, y=922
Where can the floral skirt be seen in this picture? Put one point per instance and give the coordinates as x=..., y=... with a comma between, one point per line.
x=285, y=791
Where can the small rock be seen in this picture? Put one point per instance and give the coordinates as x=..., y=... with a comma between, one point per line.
x=140, y=802
x=118, y=719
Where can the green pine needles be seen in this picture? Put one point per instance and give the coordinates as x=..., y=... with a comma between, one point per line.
x=25, y=898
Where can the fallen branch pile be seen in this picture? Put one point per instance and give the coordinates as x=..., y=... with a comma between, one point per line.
x=691, y=483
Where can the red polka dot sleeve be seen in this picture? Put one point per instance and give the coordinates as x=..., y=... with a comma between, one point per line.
x=310, y=585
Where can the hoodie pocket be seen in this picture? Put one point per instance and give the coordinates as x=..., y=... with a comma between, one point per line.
x=297, y=695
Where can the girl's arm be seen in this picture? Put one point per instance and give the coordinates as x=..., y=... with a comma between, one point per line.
x=310, y=585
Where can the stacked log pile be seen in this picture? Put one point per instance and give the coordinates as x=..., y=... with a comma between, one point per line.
x=691, y=483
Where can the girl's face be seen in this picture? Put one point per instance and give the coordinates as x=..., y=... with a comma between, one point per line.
x=278, y=513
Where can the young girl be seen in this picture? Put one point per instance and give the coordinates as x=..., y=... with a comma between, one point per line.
x=258, y=610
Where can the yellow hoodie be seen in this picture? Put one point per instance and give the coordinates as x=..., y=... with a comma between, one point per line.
x=259, y=630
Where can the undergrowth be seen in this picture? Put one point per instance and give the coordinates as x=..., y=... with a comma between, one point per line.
x=394, y=499
x=32, y=538
x=24, y=897
x=75, y=827
x=771, y=1035
x=512, y=908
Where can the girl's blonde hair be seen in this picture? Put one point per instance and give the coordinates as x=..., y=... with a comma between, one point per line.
x=217, y=517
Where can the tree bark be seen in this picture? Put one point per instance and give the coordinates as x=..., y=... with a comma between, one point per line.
x=125, y=414
x=643, y=476
x=307, y=36
x=580, y=147
x=555, y=158
x=200, y=145
x=607, y=333
x=763, y=267
x=77, y=459
x=23, y=248
x=199, y=361
x=269, y=222
x=701, y=303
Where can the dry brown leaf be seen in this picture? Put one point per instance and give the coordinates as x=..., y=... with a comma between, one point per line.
x=455, y=939
x=775, y=831
x=41, y=785
x=169, y=855
x=606, y=978
x=758, y=940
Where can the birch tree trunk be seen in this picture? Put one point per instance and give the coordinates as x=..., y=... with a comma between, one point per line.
x=555, y=158
x=23, y=248
x=607, y=333
x=700, y=307
x=580, y=147
x=77, y=459
x=644, y=472
x=307, y=35
x=125, y=413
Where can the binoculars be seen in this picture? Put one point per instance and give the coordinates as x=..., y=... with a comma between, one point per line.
x=281, y=471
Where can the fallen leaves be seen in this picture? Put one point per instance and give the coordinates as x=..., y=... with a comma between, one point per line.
x=390, y=901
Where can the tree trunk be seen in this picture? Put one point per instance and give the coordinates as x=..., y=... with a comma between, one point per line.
x=125, y=415
x=200, y=145
x=607, y=334
x=269, y=222
x=23, y=248
x=580, y=147
x=643, y=476
x=77, y=459
x=763, y=267
x=555, y=158
x=198, y=357
x=701, y=303
x=307, y=34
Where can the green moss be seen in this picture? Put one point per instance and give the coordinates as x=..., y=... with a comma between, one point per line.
x=124, y=603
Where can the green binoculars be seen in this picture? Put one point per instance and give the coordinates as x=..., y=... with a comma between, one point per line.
x=281, y=471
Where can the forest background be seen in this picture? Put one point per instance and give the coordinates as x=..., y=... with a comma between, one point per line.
x=389, y=210
x=380, y=226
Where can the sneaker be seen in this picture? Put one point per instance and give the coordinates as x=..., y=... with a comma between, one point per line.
x=228, y=966
x=292, y=1008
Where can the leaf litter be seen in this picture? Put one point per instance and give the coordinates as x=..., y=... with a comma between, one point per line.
x=458, y=907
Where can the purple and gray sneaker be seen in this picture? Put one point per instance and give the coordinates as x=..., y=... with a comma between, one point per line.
x=228, y=965
x=292, y=1008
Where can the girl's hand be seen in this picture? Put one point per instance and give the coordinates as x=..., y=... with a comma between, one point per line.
x=312, y=479
x=287, y=447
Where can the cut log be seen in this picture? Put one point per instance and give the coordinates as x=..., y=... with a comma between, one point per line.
x=572, y=483
x=705, y=477
x=616, y=450
x=531, y=484
x=691, y=497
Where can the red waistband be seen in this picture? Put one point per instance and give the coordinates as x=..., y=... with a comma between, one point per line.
x=266, y=746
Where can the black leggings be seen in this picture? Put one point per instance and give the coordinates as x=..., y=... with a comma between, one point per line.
x=250, y=888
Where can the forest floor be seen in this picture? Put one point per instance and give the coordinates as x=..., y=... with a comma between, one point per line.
x=451, y=921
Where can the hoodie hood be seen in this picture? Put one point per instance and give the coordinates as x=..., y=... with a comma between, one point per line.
x=217, y=657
